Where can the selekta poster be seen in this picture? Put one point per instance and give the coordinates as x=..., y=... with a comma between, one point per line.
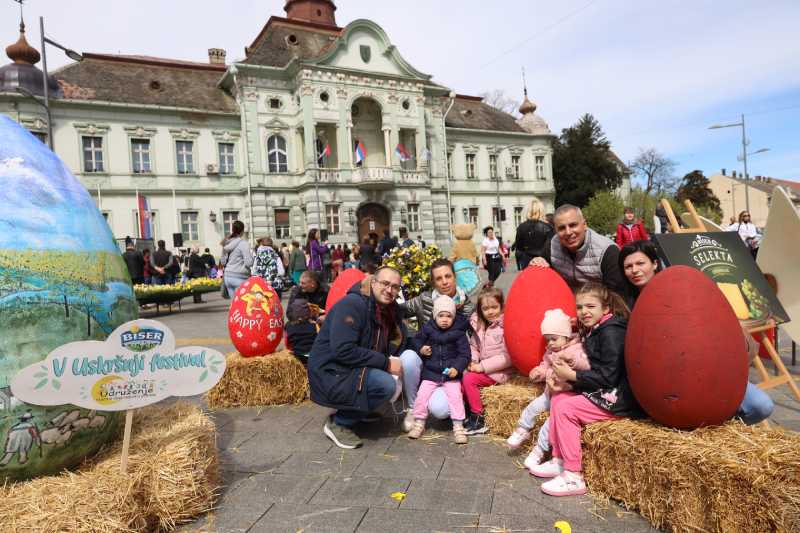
x=723, y=257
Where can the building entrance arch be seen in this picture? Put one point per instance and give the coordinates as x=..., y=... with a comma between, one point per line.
x=372, y=219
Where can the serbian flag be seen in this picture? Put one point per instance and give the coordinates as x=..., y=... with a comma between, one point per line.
x=402, y=153
x=326, y=152
x=145, y=220
x=361, y=152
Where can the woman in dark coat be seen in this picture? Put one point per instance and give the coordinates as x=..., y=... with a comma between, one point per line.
x=533, y=236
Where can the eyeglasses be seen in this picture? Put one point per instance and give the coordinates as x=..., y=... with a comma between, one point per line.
x=388, y=285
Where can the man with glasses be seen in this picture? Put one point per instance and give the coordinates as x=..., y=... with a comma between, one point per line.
x=353, y=364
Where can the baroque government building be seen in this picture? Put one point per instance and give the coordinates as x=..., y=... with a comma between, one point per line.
x=318, y=125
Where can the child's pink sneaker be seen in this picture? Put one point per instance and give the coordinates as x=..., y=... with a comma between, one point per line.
x=551, y=468
x=565, y=484
x=534, y=459
x=519, y=436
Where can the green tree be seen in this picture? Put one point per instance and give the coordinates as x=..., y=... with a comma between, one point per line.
x=604, y=212
x=582, y=163
x=694, y=187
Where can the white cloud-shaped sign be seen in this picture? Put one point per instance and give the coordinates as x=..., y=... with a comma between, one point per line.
x=136, y=365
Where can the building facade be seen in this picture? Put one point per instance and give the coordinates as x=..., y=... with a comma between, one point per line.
x=318, y=126
x=730, y=190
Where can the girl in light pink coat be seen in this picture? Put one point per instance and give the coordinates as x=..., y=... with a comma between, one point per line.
x=491, y=363
x=562, y=345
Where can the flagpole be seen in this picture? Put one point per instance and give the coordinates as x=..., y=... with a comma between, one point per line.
x=99, y=200
x=175, y=210
x=139, y=215
x=316, y=191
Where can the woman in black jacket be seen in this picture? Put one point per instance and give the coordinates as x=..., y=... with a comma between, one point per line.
x=533, y=236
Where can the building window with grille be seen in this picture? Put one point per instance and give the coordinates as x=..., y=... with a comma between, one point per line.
x=493, y=167
x=452, y=215
x=413, y=218
x=498, y=216
x=190, y=225
x=282, y=226
x=185, y=156
x=540, y=167
x=332, y=219
x=450, y=164
x=227, y=160
x=276, y=154
x=472, y=216
x=515, y=167
x=228, y=218
x=517, y=215
x=140, y=155
x=470, y=166
x=92, y=154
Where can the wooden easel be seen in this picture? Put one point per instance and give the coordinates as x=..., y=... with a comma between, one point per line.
x=767, y=382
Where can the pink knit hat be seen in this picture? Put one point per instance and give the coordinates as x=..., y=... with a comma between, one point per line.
x=556, y=322
x=444, y=304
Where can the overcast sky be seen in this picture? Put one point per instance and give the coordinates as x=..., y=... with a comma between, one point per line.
x=653, y=73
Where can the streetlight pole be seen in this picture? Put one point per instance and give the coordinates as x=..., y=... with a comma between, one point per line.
x=452, y=97
x=72, y=54
x=45, y=88
x=25, y=92
x=743, y=156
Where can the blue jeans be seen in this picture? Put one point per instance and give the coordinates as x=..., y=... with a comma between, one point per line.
x=166, y=279
x=232, y=281
x=412, y=370
x=756, y=406
x=380, y=387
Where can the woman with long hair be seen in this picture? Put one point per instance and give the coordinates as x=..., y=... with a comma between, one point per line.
x=533, y=235
x=315, y=250
x=491, y=258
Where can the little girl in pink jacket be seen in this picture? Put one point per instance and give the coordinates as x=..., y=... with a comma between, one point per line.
x=491, y=363
x=562, y=344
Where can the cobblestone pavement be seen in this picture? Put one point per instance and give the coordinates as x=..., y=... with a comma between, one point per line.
x=280, y=473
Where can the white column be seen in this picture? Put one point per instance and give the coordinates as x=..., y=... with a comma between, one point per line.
x=291, y=150
x=349, y=156
x=387, y=146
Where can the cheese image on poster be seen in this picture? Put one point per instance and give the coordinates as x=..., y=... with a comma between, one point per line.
x=136, y=366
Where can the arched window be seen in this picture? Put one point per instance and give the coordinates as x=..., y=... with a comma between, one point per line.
x=276, y=154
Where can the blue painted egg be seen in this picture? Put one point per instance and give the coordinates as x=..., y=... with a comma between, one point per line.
x=62, y=279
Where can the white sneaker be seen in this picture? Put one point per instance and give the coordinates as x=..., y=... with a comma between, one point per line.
x=519, y=436
x=565, y=484
x=408, y=421
x=534, y=459
x=551, y=468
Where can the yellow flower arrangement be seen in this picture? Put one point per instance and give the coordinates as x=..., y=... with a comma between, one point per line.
x=414, y=265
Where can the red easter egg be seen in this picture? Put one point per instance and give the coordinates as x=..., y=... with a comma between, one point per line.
x=685, y=351
x=533, y=292
x=343, y=283
x=255, y=320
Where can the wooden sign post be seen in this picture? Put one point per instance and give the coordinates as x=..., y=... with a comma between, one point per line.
x=126, y=440
x=758, y=331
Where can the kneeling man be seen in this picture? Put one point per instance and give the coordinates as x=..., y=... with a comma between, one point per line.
x=352, y=363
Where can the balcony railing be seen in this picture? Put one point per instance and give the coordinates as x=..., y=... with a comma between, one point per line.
x=371, y=177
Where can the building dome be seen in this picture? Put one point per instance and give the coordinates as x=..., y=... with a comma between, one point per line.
x=21, y=52
x=318, y=11
x=22, y=72
x=530, y=121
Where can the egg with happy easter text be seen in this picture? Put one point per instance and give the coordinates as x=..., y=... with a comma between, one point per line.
x=255, y=319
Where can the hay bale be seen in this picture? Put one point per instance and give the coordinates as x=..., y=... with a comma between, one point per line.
x=726, y=478
x=173, y=474
x=275, y=379
x=502, y=405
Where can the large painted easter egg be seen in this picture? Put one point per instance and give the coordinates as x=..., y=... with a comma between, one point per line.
x=62, y=279
x=533, y=292
x=255, y=320
x=343, y=283
x=685, y=351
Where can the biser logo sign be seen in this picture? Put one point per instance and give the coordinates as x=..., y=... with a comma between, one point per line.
x=141, y=340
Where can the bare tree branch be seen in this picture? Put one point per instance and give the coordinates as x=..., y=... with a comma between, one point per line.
x=498, y=99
